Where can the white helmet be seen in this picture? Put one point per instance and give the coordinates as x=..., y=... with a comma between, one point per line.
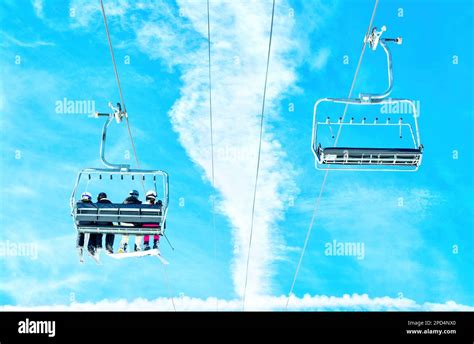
x=151, y=194
x=86, y=196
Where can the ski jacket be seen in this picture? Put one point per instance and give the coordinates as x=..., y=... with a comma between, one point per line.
x=99, y=223
x=132, y=200
x=85, y=223
x=151, y=225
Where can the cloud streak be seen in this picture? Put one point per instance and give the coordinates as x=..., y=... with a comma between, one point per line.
x=320, y=59
x=38, y=8
x=240, y=34
x=24, y=44
x=346, y=302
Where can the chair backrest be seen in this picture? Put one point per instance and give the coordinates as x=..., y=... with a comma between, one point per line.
x=114, y=212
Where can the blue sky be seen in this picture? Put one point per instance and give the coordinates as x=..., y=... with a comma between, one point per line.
x=417, y=228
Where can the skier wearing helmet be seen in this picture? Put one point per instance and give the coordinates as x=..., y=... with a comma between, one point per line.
x=131, y=199
x=151, y=199
x=86, y=197
x=109, y=238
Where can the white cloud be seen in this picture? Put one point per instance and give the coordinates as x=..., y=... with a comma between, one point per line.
x=30, y=290
x=240, y=33
x=22, y=191
x=88, y=12
x=50, y=256
x=353, y=302
x=320, y=59
x=160, y=41
x=38, y=8
x=23, y=44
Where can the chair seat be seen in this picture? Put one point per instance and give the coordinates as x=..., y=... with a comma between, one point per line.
x=370, y=156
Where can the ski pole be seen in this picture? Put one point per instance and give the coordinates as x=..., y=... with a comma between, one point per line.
x=169, y=243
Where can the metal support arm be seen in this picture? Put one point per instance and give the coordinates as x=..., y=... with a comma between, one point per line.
x=374, y=40
x=370, y=97
x=102, y=148
x=117, y=114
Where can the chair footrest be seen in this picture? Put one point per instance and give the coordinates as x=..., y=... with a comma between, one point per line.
x=118, y=230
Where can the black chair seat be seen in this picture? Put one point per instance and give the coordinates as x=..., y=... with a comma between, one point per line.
x=370, y=156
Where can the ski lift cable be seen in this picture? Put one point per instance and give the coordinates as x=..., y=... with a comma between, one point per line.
x=357, y=71
x=120, y=87
x=259, y=155
x=213, y=199
x=323, y=185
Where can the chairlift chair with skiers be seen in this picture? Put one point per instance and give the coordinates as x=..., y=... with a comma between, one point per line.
x=119, y=216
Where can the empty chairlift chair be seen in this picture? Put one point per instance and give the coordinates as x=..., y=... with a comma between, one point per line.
x=399, y=159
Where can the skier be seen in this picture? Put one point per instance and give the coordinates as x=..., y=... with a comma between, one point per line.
x=150, y=199
x=131, y=199
x=109, y=238
x=86, y=197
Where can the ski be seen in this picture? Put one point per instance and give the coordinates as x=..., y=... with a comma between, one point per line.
x=95, y=257
x=135, y=254
x=162, y=260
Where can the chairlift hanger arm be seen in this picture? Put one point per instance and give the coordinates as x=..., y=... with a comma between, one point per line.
x=374, y=39
x=118, y=115
x=102, y=148
x=371, y=97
